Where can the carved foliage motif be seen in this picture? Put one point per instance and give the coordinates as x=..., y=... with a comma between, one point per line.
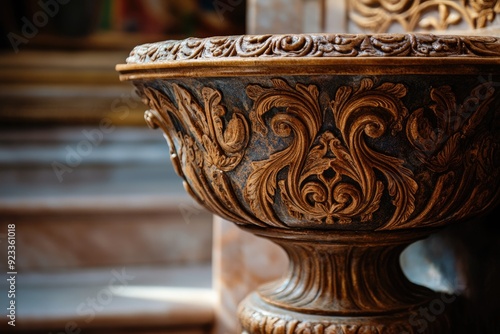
x=255, y=322
x=333, y=176
x=308, y=190
x=315, y=45
x=203, y=148
x=460, y=150
x=380, y=15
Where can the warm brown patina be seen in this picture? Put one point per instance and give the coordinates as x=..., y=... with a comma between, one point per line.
x=342, y=149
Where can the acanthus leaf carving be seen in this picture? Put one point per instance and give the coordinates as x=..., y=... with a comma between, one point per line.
x=203, y=148
x=354, y=123
x=413, y=15
x=458, y=152
x=316, y=165
x=333, y=175
x=303, y=119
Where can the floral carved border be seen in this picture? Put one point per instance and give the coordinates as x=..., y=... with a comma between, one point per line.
x=413, y=15
x=315, y=45
x=334, y=177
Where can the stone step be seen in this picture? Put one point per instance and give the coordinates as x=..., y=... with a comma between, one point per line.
x=127, y=299
x=121, y=205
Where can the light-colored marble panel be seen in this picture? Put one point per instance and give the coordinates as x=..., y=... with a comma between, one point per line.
x=138, y=299
x=274, y=17
x=313, y=16
x=241, y=262
x=335, y=16
x=86, y=238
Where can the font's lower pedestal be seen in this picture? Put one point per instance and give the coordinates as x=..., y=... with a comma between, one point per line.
x=344, y=282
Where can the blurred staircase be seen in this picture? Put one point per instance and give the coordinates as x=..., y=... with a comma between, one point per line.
x=92, y=194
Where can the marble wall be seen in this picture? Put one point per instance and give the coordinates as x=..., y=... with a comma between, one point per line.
x=241, y=262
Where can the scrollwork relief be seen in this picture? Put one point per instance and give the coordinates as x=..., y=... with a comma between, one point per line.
x=315, y=45
x=256, y=321
x=380, y=15
x=460, y=150
x=203, y=148
x=317, y=165
x=334, y=176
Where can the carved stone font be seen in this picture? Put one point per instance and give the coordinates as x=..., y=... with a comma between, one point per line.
x=342, y=160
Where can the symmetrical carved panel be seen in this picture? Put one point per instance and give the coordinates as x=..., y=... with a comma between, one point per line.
x=415, y=15
x=315, y=45
x=307, y=190
x=335, y=167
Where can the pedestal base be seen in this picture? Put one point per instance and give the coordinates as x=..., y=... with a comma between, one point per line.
x=257, y=316
x=344, y=283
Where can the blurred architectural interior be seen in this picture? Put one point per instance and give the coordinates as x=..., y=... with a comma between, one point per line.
x=88, y=185
x=107, y=239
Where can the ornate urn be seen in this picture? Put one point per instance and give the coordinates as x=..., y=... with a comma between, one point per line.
x=342, y=149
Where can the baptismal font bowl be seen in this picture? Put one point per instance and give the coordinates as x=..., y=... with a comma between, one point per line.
x=341, y=149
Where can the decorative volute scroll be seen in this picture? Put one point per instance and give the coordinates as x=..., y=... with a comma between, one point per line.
x=416, y=15
x=202, y=151
x=308, y=191
x=342, y=149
